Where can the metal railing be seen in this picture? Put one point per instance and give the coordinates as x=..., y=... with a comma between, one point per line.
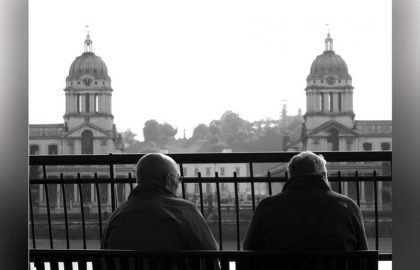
x=61, y=165
x=208, y=260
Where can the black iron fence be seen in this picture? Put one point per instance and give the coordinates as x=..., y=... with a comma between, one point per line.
x=72, y=196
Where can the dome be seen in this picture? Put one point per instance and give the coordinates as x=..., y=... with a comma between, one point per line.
x=329, y=63
x=88, y=63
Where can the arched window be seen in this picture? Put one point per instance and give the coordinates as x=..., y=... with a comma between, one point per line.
x=332, y=140
x=87, y=142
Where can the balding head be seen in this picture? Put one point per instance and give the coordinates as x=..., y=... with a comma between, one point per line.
x=159, y=169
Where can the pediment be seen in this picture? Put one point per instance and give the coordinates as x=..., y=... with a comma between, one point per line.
x=324, y=129
x=97, y=131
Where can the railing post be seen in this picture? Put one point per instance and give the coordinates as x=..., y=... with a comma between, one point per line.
x=251, y=174
x=375, y=192
x=65, y=212
x=238, y=239
x=32, y=217
x=111, y=174
x=219, y=211
x=44, y=172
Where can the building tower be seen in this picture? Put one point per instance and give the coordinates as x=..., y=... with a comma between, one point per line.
x=329, y=102
x=88, y=119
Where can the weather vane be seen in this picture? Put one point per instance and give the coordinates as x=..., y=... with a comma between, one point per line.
x=328, y=27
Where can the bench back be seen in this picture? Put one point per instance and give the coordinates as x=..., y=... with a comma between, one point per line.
x=202, y=260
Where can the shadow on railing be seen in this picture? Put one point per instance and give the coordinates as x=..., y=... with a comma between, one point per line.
x=77, y=207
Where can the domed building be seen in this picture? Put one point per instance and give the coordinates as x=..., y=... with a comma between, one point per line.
x=329, y=121
x=88, y=126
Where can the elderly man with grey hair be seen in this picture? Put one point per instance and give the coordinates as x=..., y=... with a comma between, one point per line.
x=306, y=214
x=153, y=217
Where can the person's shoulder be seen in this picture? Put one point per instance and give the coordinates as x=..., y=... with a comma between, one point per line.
x=180, y=202
x=270, y=201
x=117, y=212
x=345, y=201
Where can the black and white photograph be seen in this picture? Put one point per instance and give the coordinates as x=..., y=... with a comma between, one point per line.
x=213, y=135
x=238, y=126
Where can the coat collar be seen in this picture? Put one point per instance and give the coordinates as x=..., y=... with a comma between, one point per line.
x=150, y=189
x=307, y=183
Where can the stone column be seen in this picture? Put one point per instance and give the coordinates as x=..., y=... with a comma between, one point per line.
x=313, y=102
x=346, y=101
x=127, y=191
x=41, y=193
x=362, y=192
x=335, y=102
x=109, y=195
x=308, y=101
x=75, y=195
x=58, y=196
x=92, y=193
x=380, y=195
x=345, y=188
x=110, y=103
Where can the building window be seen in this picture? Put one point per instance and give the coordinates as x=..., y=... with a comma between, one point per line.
x=34, y=149
x=330, y=96
x=237, y=170
x=52, y=149
x=208, y=171
x=385, y=146
x=184, y=171
x=222, y=171
x=339, y=102
x=87, y=97
x=87, y=142
x=367, y=147
x=333, y=140
x=196, y=171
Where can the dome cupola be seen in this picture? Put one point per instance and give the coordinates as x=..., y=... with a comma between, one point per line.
x=329, y=64
x=88, y=64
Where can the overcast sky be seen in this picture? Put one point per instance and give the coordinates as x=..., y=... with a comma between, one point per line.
x=187, y=62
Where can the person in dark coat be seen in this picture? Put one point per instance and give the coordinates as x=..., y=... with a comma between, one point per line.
x=153, y=217
x=306, y=214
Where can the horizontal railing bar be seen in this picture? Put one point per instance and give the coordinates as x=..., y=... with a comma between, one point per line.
x=269, y=157
x=206, y=179
x=220, y=253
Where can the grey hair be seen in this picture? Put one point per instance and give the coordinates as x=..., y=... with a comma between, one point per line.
x=307, y=163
